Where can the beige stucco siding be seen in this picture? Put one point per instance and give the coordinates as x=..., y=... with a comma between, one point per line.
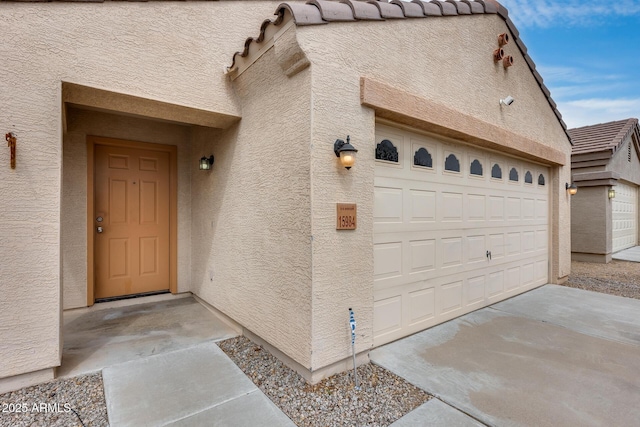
x=447, y=61
x=252, y=213
x=619, y=163
x=172, y=52
x=82, y=123
x=591, y=221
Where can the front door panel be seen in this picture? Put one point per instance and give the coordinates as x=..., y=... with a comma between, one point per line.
x=131, y=221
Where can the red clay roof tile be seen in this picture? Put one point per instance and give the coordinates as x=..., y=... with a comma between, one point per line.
x=316, y=12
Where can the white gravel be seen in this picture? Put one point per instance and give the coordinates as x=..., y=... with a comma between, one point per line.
x=61, y=403
x=383, y=397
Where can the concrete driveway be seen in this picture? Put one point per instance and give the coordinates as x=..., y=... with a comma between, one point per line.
x=554, y=356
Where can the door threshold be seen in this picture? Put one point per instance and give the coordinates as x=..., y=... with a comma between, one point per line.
x=132, y=296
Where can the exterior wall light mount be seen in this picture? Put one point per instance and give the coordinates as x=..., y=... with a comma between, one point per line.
x=346, y=152
x=612, y=193
x=206, y=163
x=571, y=189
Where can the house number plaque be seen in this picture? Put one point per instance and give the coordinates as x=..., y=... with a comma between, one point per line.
x=346, y=216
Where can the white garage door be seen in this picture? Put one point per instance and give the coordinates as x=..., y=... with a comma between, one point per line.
x=455, y=229
x=625, y=214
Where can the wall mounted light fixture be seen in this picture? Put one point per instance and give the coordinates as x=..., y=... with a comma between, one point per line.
x=612, y=193
x=571, y=189
x=507, y=101
x=206, y=163
x=346, y=152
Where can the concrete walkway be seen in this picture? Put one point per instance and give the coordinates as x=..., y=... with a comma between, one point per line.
x=554, y=356
x=197, y=386
x=631, y=254
x=161, y=367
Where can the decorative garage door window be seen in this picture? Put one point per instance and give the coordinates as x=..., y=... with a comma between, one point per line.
x=452, y=163
x=447, y=241
x=528, y=179
x=513, y=175
x=385, y=150
x=496, y=172
x=541, y=179
x=422, y=157
x=476, y=168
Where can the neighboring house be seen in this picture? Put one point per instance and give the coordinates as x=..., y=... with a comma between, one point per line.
x=460, y=197
x=604, y=158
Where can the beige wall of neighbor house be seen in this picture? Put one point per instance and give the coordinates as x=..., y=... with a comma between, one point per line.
x=624, y=165
x=592, y=235
x=252, y=212
x=449, y=71
x=80, y=124
x=591, y=240
x=165, y=51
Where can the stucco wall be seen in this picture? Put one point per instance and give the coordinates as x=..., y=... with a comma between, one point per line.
x=81, y=123
x=591, y=221
x=168, y=51
x=251, y=213
x=628, y=170
x=447, y=60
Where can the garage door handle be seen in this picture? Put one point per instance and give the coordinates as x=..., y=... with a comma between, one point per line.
x=489, y=255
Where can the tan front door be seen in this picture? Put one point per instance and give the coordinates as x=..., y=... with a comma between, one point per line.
x=131, y=221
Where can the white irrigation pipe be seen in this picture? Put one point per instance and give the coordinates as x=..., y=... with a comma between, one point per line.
x=352, y=326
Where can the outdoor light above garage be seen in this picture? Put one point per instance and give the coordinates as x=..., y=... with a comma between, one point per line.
x=206, y=163
x=612, y=193
x=571, y=189
x=346, y=152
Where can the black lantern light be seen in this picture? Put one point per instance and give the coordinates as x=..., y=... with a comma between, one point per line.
x=346, y=152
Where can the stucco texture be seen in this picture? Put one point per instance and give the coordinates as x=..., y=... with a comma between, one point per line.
x=448, y=61
x=252, y=212
x=169, y=51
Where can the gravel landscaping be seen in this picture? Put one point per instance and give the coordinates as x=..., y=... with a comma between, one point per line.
x=621, y=278
x=61, y=403
x=383, y=397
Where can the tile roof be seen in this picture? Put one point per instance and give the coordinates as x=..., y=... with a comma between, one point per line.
x=601, y=137
x=321, y=12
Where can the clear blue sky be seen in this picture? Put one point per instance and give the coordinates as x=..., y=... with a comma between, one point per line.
x=587, y=52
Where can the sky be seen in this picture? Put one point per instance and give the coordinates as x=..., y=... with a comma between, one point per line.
x=587, y=52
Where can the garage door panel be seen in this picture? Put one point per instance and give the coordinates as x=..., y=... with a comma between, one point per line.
x=476, y=290
x=496, y=208
x=388, y=205
x=422, y=255
x=450, y=297
x=513, y=208
x=387, y=260
x=624, y=217
x=387, y=316
x=477, y=247
x=450, y=252
x=476, y=208
x=513, y=246
x=422, y=206
x=422, y=304
x=432, y=246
